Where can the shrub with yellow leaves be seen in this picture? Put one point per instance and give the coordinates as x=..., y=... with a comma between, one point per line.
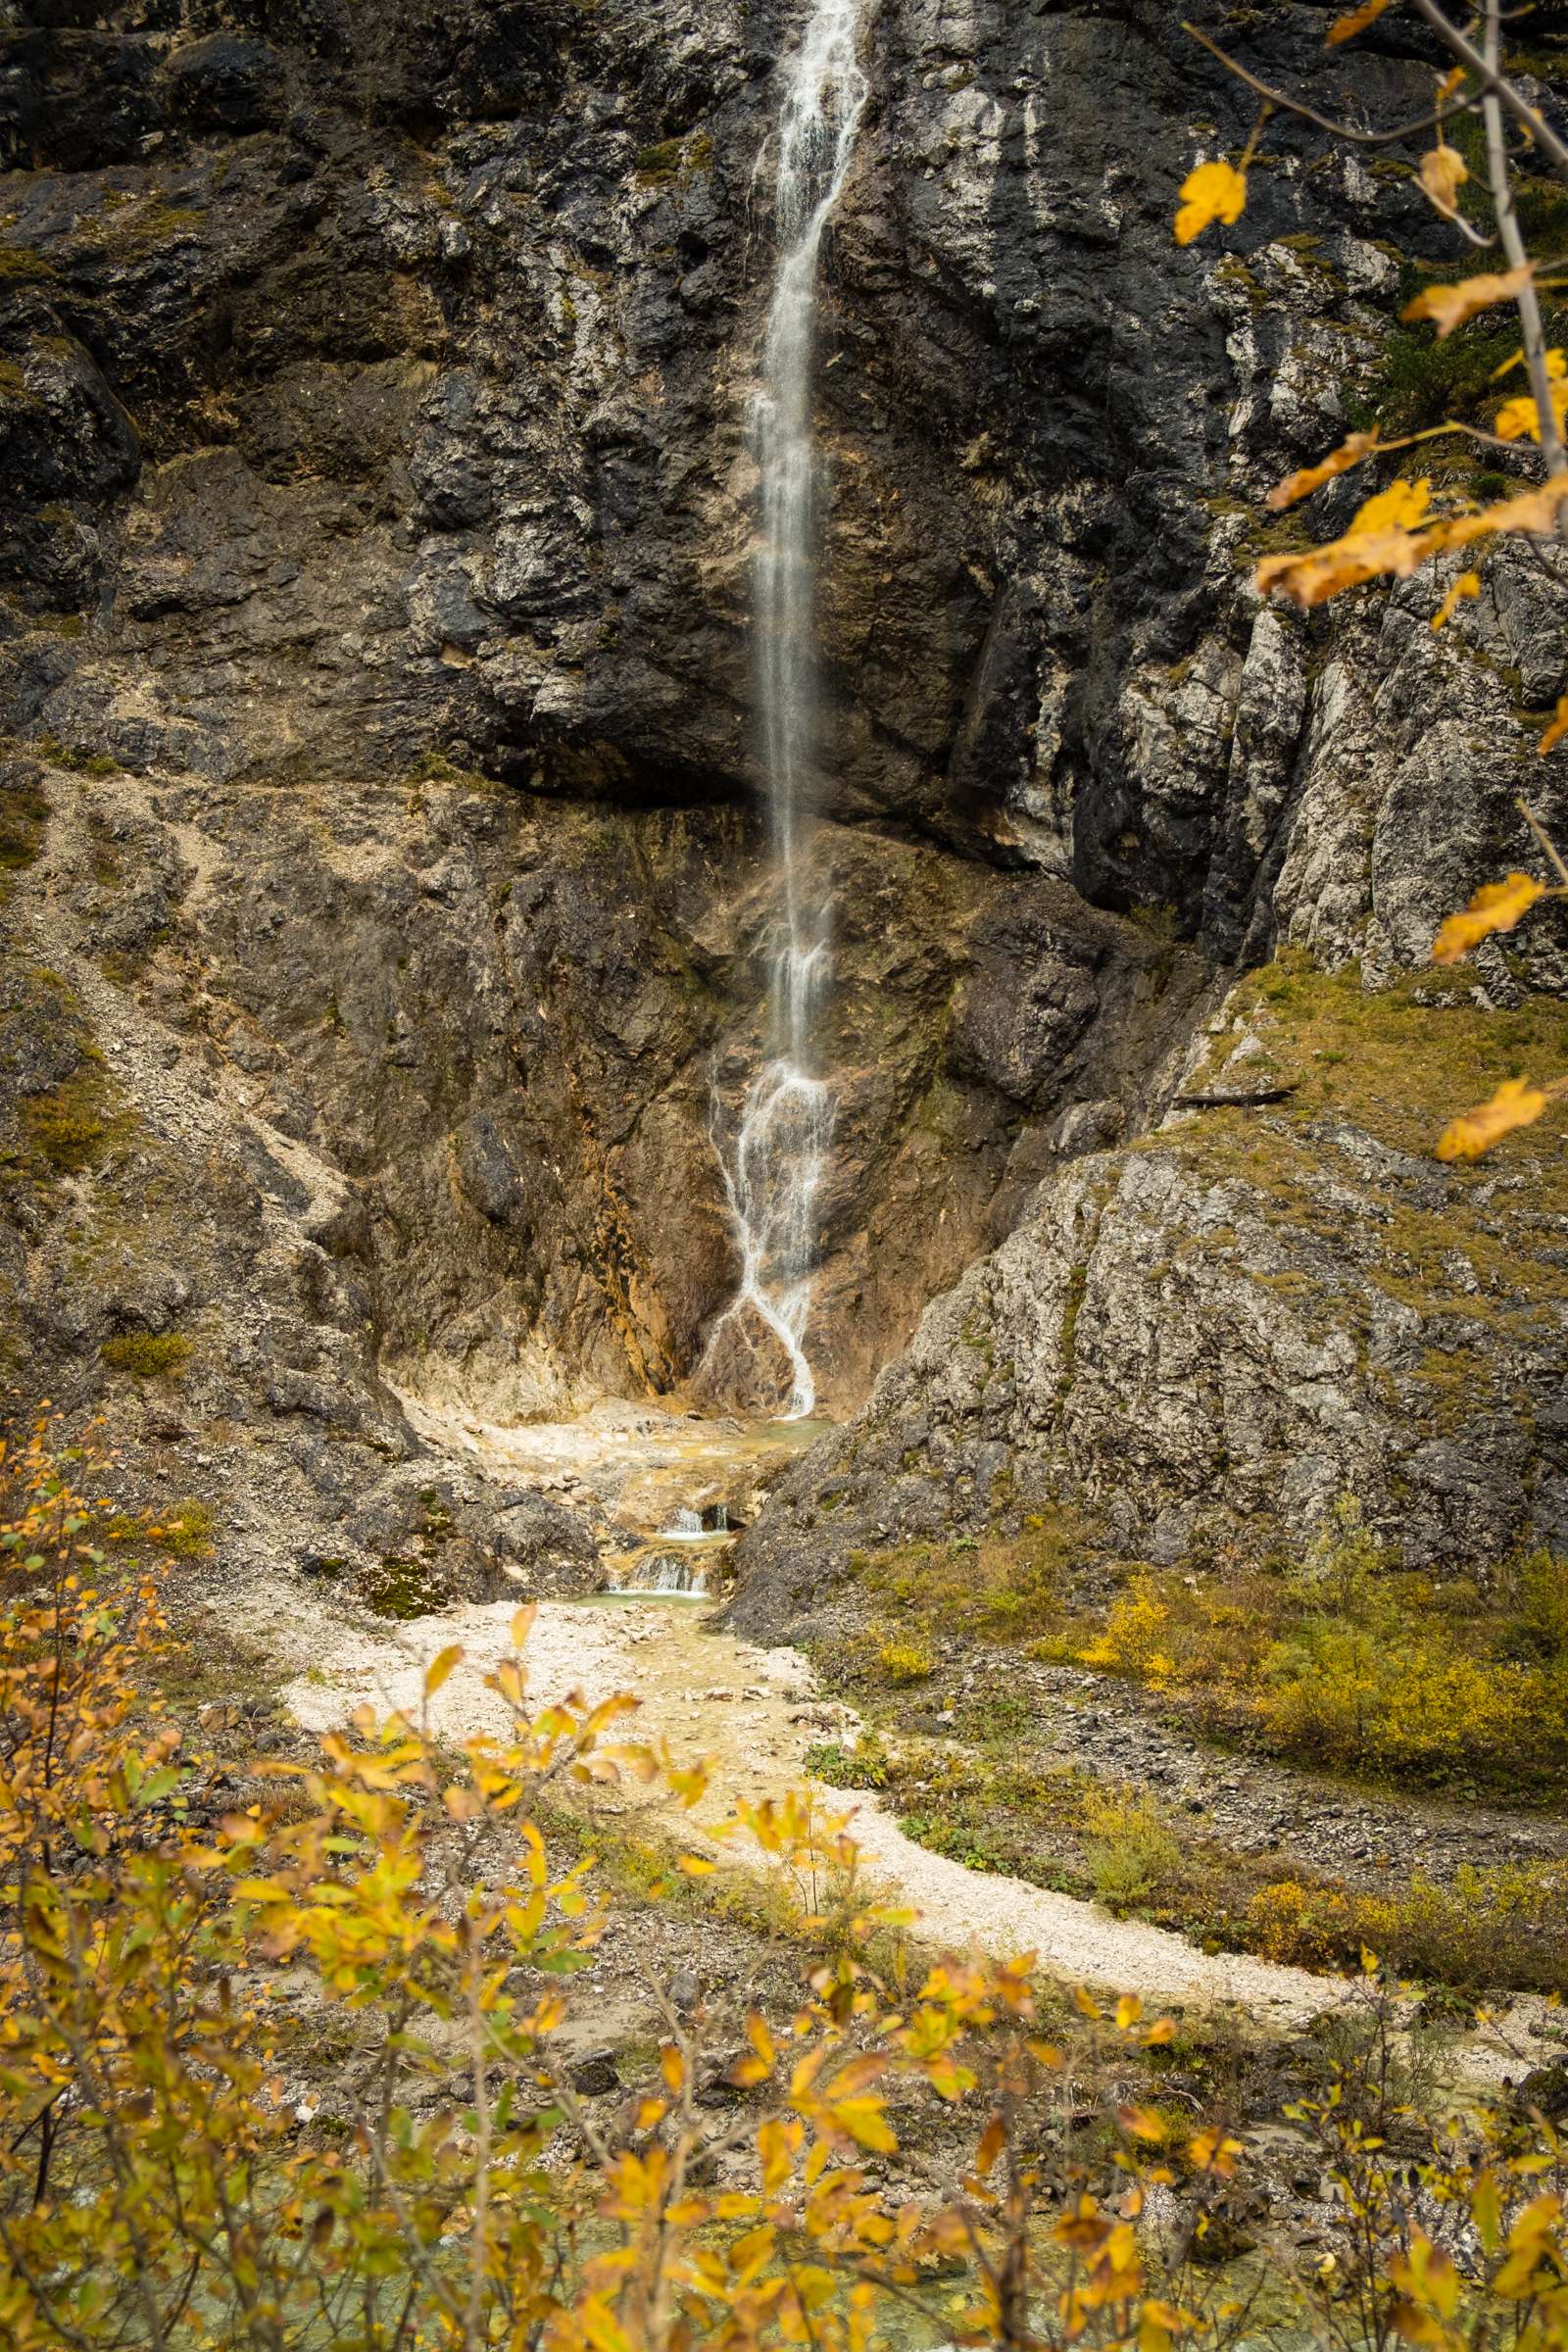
x=161, y=2193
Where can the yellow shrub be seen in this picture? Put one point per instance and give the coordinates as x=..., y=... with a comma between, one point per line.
x=1134, y=1641
x=906, y=1661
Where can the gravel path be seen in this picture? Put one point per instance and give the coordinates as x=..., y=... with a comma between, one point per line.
x=754, y=1713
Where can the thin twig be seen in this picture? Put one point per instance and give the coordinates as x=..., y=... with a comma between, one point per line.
x=1547, y=846
x=1309, y=113
x=1494, y=83
x=1527, y=301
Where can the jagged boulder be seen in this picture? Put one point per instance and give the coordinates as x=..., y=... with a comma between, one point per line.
x=1204, y=1342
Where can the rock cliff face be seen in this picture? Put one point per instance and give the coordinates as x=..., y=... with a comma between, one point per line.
x=373, y=387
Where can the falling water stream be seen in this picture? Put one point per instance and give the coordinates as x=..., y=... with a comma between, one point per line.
x=774, y=1169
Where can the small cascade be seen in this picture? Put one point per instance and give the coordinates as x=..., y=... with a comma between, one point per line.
x=663, y=1572
x=666, y=1575
x=774, y=1170
x=693, y=1527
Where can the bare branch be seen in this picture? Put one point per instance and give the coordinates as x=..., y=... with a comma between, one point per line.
x=1513, y=245
x=1547, y=846
x=1495, y=84
x=1414, y=129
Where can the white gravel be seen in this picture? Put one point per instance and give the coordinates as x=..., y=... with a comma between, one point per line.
x=754, y=1713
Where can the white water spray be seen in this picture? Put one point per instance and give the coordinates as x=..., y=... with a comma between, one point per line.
x=780, y=1150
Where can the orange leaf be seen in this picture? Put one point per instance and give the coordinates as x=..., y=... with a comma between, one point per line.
x=1312, y=477
x=1443, y=174
x=1467, y=584
x=1451, y=305
x=992, y=2141
x=1346, y=28
x=1380, y=542
x=1495, y=907
x=1516, y=1104
x=1557, y=729
x=1214, y=192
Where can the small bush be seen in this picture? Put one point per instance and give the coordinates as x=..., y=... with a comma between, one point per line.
x=148, y=1354
x=1130, y=1849
x=66, y=1128
x=1136, y=1638
x=1538, y=1628
x=906, y=1661
x=863, y=1766
x=1490, y=1927
x=188, y=1527
x=24, y=813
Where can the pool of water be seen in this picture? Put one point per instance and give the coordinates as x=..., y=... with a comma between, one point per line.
x=643, y=1600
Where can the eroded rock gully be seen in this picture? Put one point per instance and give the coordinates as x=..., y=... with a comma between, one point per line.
x=386, y=890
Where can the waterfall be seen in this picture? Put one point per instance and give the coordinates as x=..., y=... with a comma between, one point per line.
x=779, y=1156
x=663, y=1574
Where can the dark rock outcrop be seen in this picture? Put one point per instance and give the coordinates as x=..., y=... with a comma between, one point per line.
x=373, y=593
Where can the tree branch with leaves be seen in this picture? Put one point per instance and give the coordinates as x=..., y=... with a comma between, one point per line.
x=1402, y=527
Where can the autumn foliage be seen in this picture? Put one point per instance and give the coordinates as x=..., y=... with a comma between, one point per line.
x=157, y=2189
x=1401, y=528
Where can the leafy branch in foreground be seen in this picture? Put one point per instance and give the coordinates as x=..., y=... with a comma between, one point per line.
x=1397, y=530
x=159, y=2189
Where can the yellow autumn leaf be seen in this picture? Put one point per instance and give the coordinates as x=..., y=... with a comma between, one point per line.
x=1346, y=27
x=1312, y=477
x=1557, y=729
x=1534, y=510
x=1377, y=541
x=1519, y=419
x=1468, y=584
x=1325, y=571
x=440, y=1666
x=1397, y=508
x=1495, y=907
x=1442, y=174
x=1393, y=550
x=1212, y=2151
x=1214, y=192
x=1516, y=1104
x=1449, y=307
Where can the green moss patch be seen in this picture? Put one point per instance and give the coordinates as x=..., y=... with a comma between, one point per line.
x=148, y=1354
x=402, y=1588
x=24, y=814
x=73, y=1126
